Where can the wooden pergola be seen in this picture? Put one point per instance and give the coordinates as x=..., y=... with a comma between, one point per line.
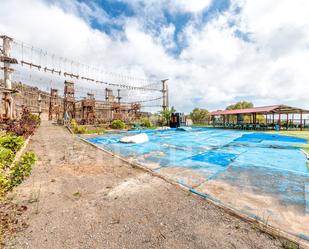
x=264, y=110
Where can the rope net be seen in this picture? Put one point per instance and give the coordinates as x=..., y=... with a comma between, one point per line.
x=45, y=70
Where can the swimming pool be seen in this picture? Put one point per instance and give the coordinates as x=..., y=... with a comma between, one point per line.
x=259, y=174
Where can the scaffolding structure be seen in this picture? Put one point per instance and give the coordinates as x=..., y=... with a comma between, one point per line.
x=69, y=100
x=54, y=105
x=88, y=109
x=126, y=104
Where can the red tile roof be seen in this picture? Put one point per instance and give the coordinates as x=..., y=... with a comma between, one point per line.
x=263, y=109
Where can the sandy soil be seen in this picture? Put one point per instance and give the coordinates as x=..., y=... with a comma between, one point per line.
x=271, y=211
x=186, y=177
x=81, y=197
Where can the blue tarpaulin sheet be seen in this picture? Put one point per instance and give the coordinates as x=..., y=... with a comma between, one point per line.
x=213, y=157
x=259, y=137
x=264, y=163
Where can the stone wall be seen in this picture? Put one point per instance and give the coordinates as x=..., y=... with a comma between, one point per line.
x=38, y=101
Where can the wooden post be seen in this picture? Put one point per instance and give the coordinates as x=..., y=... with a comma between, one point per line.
x=279, y=118
x=118, y=96
x=54, y=106
x=287, y=121
x=39, y=105
x=69, y=100
x=164, y=94
x=301, y=120
x=273, y=118
x=5, y=57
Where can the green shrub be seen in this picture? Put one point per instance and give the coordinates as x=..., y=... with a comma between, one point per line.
x=4, y=185
x=145, y=122
x=11, y=142
x=79, y=129
x=118, y=124
x=21, y=169
x=36, y=119
x=6, y=157
x=157, y=120
x=14, y=175
x=73, y=123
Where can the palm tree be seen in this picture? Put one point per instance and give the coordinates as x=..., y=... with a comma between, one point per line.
x=167, y=113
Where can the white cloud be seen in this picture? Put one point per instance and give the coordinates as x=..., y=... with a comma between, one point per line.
x=215, y=68
x=270, y=67
x=193, y=6
x=190, y=6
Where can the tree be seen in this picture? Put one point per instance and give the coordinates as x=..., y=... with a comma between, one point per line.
x=167, y=113
x=199, y=116
x=240, y=105
x=244, y=105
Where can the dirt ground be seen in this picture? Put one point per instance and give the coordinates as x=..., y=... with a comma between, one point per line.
x=80, y=197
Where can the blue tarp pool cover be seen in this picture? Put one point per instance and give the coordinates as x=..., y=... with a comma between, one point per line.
x=204, y=148
x=274, y=164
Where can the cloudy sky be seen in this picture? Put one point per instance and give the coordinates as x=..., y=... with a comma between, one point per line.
x=215, y=52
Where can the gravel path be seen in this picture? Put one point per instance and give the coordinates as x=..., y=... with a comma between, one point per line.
x=80, y=197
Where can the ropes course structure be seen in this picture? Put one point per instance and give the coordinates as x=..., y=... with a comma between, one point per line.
x=36, y=58
x=38, y=68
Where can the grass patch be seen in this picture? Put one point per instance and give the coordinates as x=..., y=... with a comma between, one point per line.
x=95, y=131
x=82, y=129
x=77, y=194
x=289, y=245
x=202, y=125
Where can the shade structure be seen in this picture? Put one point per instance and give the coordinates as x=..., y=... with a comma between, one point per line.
x=262, y=110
